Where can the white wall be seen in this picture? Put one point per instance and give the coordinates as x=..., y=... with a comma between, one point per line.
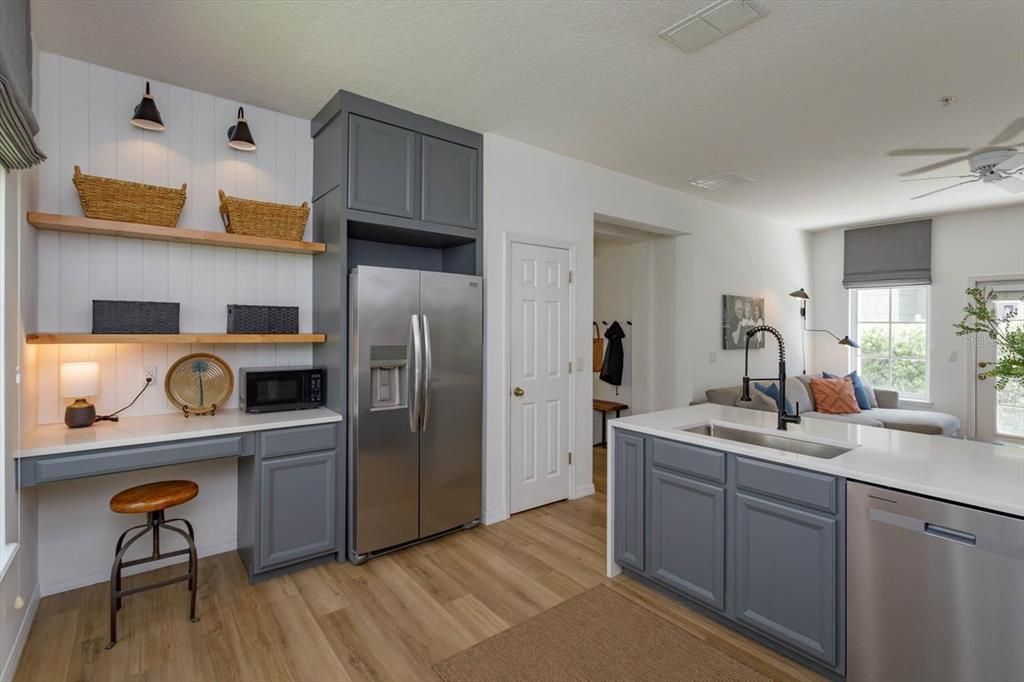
x=532, y=192
x=84, y=120
x=964, y=245
x=613, y=300
x=83, y=113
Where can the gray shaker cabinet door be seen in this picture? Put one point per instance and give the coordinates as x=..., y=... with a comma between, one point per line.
x=786, y=575
x=297, y=507
x=629, y=500
x=449, y=183
x=687, y=537
x=381, y=167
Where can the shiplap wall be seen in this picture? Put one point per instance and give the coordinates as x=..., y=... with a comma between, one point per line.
x=84, y=113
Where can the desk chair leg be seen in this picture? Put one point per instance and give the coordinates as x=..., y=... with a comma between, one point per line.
x=191, y=534
x=115, y=579
x=193, y=568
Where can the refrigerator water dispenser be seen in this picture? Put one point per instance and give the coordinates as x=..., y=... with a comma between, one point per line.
x=388, y=378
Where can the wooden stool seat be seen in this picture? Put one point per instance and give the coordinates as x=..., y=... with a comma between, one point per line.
x=151, y=497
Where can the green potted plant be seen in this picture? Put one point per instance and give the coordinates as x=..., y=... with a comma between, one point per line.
x=980, y=317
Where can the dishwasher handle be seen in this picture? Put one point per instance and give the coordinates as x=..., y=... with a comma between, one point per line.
x=950, y=534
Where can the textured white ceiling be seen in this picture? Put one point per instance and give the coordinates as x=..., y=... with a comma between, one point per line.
x=808, y=100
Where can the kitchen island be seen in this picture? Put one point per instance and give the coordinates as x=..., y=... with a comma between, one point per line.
x=757, y=536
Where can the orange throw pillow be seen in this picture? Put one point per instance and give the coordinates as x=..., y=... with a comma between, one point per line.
x=834, y=396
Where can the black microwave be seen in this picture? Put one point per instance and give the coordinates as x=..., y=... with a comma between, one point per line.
x=276, y=389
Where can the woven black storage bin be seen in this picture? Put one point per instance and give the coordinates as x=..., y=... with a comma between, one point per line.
x=262, y=319
x=134, y=317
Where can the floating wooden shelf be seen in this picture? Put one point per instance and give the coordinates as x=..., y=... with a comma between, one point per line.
x=174, y=338
x=113, y=228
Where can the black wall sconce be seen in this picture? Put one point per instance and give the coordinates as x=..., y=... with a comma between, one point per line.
x=239, y=135
x=803, y=298
x=146, y=115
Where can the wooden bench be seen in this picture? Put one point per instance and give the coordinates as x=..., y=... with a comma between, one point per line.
x=604, y=407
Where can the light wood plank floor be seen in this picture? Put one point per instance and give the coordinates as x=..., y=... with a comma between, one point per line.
x=390, y=619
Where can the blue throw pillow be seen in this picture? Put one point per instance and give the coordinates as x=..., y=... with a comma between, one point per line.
x=772, y=391
x=859, y=391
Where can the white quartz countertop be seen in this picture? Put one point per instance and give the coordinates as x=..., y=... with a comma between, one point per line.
x=54, y=439
x=979, y=474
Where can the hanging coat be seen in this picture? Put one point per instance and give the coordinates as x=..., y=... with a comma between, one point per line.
x=611, y=368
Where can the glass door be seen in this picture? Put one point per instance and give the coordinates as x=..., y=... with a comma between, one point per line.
x=999, y=412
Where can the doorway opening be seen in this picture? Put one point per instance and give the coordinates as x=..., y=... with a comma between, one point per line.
x=633, y=327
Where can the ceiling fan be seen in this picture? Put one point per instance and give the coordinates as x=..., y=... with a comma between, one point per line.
x=1003, y=165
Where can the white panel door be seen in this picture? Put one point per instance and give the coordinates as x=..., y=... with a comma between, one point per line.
x=539, y=418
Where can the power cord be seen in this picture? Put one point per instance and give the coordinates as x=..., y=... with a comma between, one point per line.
x=112, y=417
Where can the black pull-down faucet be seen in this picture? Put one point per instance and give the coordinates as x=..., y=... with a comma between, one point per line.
x=785, y=419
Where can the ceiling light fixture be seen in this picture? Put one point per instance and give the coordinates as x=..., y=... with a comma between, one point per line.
x=239, y=135
x=146, y=115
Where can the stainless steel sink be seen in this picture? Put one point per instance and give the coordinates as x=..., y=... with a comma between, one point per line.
x=769, y=440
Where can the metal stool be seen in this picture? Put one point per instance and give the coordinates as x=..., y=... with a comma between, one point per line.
x=152, y=499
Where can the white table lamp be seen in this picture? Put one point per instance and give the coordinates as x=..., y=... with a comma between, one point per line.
x=79, y=380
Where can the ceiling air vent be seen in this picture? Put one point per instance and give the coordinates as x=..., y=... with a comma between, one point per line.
x=720, y=180
x=711, y=23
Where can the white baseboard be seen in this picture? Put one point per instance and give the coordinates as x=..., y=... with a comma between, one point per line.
x=11, y=664
x=73, y=582
x=583, y=491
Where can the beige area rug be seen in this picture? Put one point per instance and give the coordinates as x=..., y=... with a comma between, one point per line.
x=598, y=635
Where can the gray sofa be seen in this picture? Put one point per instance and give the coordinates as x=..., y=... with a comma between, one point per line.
x=885, y=411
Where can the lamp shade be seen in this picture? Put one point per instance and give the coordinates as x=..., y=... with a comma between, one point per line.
x=79, y=379
x=800, y=293
x=847, y=341
x=239, y=135
x=146, y=115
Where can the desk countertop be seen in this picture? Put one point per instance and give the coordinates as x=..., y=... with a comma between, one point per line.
x=55, y=439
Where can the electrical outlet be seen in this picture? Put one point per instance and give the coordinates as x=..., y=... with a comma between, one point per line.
x=149, y=373
x=953, y=357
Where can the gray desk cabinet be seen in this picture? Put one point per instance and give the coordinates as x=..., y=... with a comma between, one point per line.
x=786, y=574
x=382, y=162
x=687, y=537
x=630, y=502
x=289, y=509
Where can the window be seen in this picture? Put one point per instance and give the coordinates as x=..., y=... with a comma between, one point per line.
x=891, y=326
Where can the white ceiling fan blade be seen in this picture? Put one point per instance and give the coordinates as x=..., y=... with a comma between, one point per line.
x=929, y=151
x=1012, y=164
x=935, y=166
x=926, y=194
x=938, y=177
x=1009, y=132
x=1011, y=185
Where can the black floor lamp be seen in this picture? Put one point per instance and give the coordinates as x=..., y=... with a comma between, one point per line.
x=804, y=297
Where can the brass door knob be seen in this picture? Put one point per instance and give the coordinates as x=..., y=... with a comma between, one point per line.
x=518, y=392
x=982, y=376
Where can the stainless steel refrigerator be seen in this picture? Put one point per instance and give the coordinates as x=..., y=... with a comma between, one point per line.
x=415, y=406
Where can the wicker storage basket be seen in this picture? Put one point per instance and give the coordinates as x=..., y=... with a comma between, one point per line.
x=130, y=202
x=262, y=218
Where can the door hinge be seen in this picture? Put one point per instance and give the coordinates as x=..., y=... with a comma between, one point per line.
x=570, y=277
x=570, y=367
x=570, y=458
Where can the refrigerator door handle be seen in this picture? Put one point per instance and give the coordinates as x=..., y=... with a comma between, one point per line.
x=417, y=374
x=428, y=364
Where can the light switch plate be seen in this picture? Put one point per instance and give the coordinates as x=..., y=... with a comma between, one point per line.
x=712, y=357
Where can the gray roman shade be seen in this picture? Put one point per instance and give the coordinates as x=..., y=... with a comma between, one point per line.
x=888, y=255
x=18, y=125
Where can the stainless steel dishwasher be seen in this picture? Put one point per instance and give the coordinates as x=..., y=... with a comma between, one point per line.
x=935, y=591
